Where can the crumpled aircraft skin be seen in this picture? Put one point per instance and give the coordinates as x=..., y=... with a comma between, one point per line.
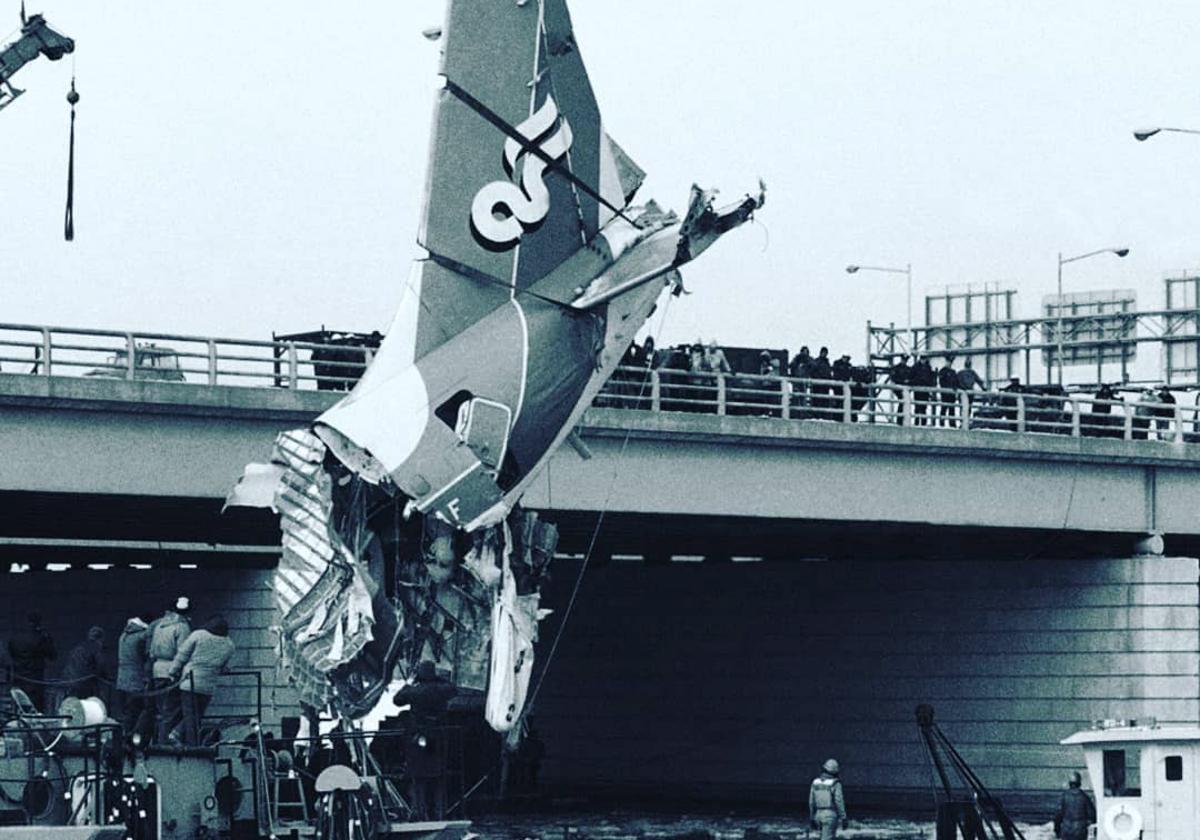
x=400, y=511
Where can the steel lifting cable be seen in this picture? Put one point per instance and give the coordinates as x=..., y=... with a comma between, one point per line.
x=595, y=533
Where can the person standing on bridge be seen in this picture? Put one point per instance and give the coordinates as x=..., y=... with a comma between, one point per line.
x=826, y=804
x=1075, y=812
x=947, y=382
x=969, y=380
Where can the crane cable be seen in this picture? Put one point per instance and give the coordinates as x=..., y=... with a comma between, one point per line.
x=69, y=222
x=583, y=566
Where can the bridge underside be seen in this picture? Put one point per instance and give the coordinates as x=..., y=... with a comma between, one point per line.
x=59, y=527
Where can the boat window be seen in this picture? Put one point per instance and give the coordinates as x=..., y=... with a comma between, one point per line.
x=1122, y=772
x=1174, y=766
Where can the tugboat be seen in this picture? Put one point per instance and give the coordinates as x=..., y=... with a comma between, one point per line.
x=1144, y=779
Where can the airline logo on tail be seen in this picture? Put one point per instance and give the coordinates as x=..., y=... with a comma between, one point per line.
x=502, y=210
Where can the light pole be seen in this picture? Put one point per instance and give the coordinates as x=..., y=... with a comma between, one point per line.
x=1120, y=252
x=1146, y=133
x=907, y=272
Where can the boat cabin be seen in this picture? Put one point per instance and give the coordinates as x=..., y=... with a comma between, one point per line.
x=1144, y=780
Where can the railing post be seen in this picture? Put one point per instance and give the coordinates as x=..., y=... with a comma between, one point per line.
x=212, y=362
x=293, y=367
x=131, y=359
x=720, y=394
x=1020, y=412
x=1075, y=430
x=907, y=408
x=1177, y=422
x=964, y=410
x=655, y=391
x=785, y=391
x=847, y=410
x=1127, y=430
x=46, y=345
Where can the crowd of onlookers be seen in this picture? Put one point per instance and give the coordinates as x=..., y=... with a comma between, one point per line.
x=166, y=672
x=708, y=378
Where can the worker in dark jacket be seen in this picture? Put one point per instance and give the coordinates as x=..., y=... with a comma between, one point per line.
x=947, y=382
x=29, y=651
x=133, y=667
x=425, y=755
x=826, y=804
x=1075, y=812
x=900, y=375
x=822, y=371
x=84, y=669
x=923, y=378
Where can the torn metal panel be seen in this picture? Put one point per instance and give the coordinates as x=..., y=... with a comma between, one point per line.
x=256, y=487
x=320, y=586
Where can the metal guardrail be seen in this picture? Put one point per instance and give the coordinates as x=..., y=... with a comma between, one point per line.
x=62, y=351
x=786, y=398
x=165, y=357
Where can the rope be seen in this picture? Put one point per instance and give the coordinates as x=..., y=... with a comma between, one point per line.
x=104, y=681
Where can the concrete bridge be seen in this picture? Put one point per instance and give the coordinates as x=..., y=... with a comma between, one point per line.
x=95, y=456
x=991, y=573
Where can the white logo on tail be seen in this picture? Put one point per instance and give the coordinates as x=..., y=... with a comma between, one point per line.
x=502, y=210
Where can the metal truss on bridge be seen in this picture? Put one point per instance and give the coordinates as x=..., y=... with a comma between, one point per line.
x=1011, y=345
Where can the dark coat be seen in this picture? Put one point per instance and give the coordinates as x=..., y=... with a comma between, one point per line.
x=425, y=751
x=1075, y=813
x=83, y=668
x=29, y=651
x=923, y=375
x=820, y=368
x=428, y=698
x=133, y=658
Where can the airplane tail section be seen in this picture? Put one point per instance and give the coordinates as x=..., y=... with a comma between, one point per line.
x=521, y=174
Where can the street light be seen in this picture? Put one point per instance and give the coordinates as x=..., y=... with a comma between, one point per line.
x=1146, y=133
x=907, y=272
x=1120, y=252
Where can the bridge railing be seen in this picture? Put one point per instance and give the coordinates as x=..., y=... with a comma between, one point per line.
x=789, y=398
x=61, y=351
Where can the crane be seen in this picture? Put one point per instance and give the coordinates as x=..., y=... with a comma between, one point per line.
x=36, y=38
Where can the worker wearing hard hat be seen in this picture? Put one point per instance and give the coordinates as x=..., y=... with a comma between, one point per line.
x=1075, y=812
x=826, y=806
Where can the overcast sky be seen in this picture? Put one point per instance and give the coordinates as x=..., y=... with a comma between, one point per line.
x=257, y=166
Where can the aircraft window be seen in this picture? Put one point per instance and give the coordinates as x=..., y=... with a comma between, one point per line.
x=1174, y=766
x=1122, y=772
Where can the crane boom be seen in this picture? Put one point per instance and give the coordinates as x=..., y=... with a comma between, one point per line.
x=36, y=38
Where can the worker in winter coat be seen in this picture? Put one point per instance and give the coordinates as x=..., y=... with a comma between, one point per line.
x=133, y=666
x=166, y=635
x=1075, y=812
x=83, y=671
x=425, y=750
x=826, y=805
x=29, y=651
x=202, y=658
